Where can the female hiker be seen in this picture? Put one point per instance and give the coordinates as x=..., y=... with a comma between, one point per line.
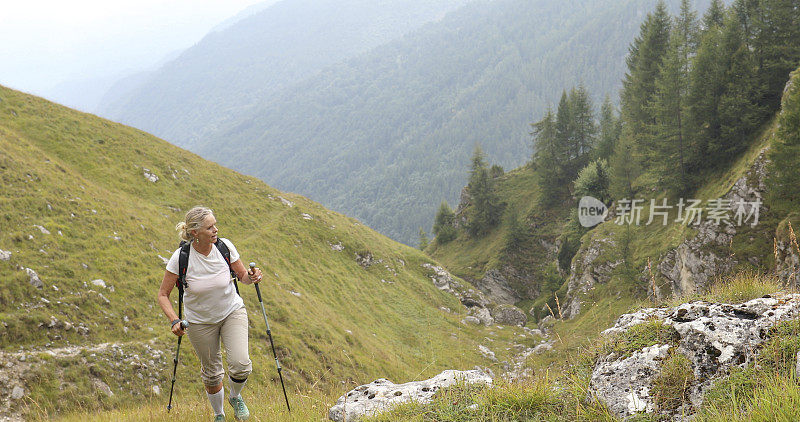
x=213, y=309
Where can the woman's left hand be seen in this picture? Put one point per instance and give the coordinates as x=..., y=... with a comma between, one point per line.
x=255, y=275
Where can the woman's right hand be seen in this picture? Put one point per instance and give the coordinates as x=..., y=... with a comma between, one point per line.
x=177, y=329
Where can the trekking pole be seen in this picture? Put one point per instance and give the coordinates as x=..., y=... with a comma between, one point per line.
x=269, y=334
x=184, y=324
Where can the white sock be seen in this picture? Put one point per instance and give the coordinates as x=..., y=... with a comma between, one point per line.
x=217, y=399
x=236, y=387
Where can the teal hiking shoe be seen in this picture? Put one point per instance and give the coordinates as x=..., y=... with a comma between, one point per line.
x=240, y=411
x=219, y=418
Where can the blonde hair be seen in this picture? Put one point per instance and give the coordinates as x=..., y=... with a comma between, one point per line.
x=193, y=221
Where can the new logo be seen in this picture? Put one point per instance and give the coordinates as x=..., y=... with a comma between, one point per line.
x=591, y=211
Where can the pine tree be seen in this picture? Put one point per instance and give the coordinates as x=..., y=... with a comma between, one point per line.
x=783, y=177
x=644, y=59
x=564, y=133
x=423, y=239
x=669, y=150
x=593, y=180
x=583, y=129
x=687, y=30
x=610, y=129
x=486, y=207
x=624, y=167
x=706, y=87
x=670, y=142
x=776, y=42
x=443, y=225
x=714, y=16
x=546, y=158
x=740, y=111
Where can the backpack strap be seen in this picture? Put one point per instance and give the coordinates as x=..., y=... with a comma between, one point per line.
x=183, y=262
x=226, y=253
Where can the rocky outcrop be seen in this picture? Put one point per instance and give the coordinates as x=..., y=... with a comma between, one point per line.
x=460, y=219
x=509, y=315
x=364, y=259
x=787, y=262
x=714, y=337
x=444, y=281
x=380, y=395
x=585, y=273
x=697, y=261
x=693, y=264
x=497, y=287
x=482, y=315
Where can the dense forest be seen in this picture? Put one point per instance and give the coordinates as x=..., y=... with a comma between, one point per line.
x=695, y=91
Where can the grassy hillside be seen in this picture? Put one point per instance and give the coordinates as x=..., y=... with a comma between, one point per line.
x=76, y=206
x=763, y=390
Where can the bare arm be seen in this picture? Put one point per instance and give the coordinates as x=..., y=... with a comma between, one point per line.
x=243, y=275
x=163, y=300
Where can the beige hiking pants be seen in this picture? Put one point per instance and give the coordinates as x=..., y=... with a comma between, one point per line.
x=232, y=331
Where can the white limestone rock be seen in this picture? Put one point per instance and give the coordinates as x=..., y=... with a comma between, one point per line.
x=34, y=279
x=382, y=394
x=715, y=337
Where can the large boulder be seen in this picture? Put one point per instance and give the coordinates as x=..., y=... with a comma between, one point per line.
x=380, y=395
x=714, y=337
x=509, y=315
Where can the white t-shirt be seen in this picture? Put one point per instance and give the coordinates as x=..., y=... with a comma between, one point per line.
x=209, y=296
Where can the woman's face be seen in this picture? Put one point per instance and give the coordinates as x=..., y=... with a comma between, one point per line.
x=207, y=233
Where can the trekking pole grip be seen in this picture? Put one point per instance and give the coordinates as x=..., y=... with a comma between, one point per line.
x=258, y=291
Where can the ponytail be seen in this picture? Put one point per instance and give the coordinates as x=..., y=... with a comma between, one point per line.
x=193, y=221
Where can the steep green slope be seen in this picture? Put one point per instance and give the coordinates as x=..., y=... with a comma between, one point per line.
x=522, y=247
x=761, y=390
x=76, y=206
x=639, y=260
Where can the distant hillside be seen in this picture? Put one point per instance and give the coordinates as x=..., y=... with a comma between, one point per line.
x=386, y=136
x=242, y=63
x=85, y=199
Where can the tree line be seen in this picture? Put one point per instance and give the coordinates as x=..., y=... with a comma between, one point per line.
x=696, y=91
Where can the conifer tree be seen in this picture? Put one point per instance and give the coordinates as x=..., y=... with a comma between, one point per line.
x=670, y=142
x=740, y=111
x=776, y=44
x=593, y=180
x=583, y=129
x=714, y=16
x=609, y=130
x=486, y=207
x=706, y=87
x=547, y=157
x=423, y=239
x=564, y=131
x=669, y=148
x=644, y=59
x=624, y=167
x=783, y=177
x=443, y=225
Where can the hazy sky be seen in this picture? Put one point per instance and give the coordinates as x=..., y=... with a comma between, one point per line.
x=46, y=42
